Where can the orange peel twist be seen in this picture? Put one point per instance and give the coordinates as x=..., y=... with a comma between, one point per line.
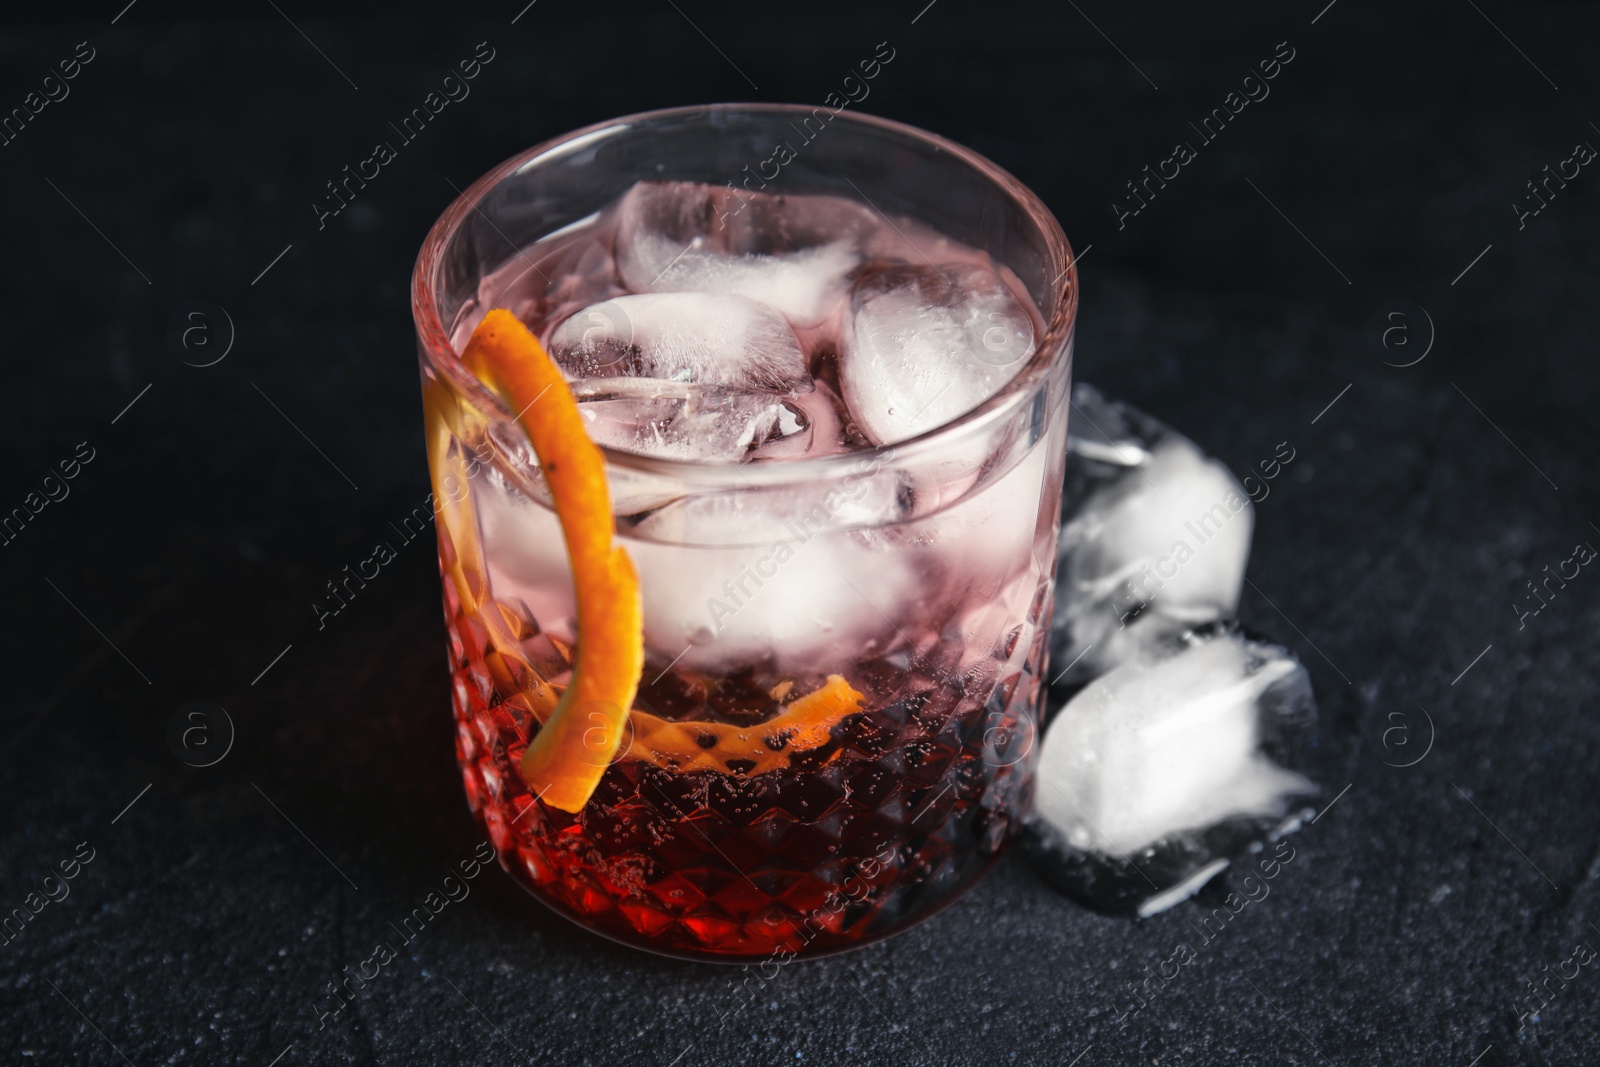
x=564, y=762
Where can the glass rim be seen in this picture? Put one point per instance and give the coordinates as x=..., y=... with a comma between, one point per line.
x=434, y=339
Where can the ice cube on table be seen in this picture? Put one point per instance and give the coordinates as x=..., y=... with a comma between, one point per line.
x=1147, y=547
x=924, y=344
x=700, y=338
x=676, y=420
x=792, y=253
x=1167, y=764
x=1106, y=435
x=1168, y=744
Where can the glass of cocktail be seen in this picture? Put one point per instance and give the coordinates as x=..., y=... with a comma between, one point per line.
x=826, y=357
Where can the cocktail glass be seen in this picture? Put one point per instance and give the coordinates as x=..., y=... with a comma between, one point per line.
x=920, y=573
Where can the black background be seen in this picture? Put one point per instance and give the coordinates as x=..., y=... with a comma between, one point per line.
x=1237, y=306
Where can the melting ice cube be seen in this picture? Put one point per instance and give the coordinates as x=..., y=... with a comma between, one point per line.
x=792, y=253
x=1155, y=537
x=1107, y=435
x=924, y=344
x=702, y=338
x=1168, y=766
x=788, y=592
x=675, y=420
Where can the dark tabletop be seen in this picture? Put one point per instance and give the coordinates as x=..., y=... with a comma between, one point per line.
x=1382, y=171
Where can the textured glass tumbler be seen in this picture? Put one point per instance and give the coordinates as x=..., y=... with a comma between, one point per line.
x=921, y=573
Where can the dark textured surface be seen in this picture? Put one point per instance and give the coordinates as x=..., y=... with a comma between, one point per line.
x=1414, y=911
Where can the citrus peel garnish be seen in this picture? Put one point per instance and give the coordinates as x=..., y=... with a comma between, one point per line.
x=807, y=723
x=566, y=759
